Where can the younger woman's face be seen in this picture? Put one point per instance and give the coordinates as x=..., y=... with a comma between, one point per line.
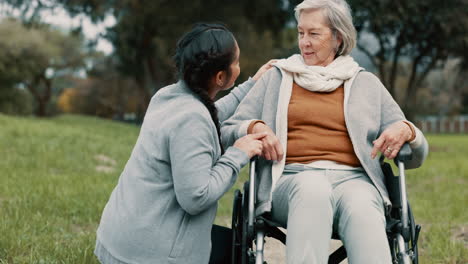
x=234, y=68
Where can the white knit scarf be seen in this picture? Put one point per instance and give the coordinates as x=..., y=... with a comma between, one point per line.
x=312, y=78
x=319, y=78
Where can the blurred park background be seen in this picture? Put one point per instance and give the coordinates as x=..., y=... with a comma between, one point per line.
x=71, y=70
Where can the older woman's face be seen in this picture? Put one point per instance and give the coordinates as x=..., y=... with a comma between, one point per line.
x=316, y=40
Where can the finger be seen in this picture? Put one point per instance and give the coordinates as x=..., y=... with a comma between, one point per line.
x=392, y=151
x=270, y=145
x=384, y=148
x=377, y=146
x=393, y=154
x=279, y=150
x=272, y=61
x=258, y=136
x=260, y=148
x=266, y=152
x=272, y=152
x=387, y=153
x=395, y=151
x=257, y=150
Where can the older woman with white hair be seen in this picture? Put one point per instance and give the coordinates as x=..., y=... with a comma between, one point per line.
x=326, y=120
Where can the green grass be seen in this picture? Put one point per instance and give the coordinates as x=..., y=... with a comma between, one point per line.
x=52, y=191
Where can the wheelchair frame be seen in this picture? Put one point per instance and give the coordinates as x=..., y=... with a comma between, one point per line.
x=402, y=232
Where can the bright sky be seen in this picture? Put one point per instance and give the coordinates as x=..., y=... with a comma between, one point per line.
x=60, y=19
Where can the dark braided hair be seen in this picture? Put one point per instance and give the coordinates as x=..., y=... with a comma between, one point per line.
x=200, y=54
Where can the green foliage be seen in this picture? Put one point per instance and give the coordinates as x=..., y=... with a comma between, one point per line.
x=34, y=56
x=57, y=175
x=439, y=196
x=53, y=185
x=20, y=43
x=16, y=102
x=104, y=93
x=146, y=32
x=424, y=34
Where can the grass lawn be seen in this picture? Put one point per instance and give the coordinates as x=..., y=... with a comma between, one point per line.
x=57, y=174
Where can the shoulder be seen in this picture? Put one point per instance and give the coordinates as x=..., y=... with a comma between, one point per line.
x=176, y=98
x=270, y=78
x=187, y=109
x=173, y=107
x=273, y=73
x=367, y=77
x=367, y=81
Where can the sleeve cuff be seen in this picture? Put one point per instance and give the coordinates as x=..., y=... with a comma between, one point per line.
x=411, y=126
x=244, y=127
x=252, y=124
x=418, y=139
x=237, y=156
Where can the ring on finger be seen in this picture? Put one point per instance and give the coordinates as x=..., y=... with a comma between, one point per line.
x=388, y=150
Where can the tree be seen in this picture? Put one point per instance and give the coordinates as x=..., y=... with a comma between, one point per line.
x=104, y=92
x=27, y=11
x=33, y=57
x=445, y=89
x=423, y=33
x=145, y=34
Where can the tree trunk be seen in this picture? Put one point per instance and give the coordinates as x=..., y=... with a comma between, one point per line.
x=41, y=110
x=42, y=99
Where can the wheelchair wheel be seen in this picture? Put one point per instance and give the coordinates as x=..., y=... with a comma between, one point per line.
x=412, y=243
x=246, y=240
x=236, y=226
x=241, y=241
x=414, y=233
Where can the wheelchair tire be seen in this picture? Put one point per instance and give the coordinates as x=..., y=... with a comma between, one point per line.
x=236, y=226
x=241, y=241
x=246, y=240
x=414, y=245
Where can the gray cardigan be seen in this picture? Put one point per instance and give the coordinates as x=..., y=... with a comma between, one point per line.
x=369, y=110
x=165, y=202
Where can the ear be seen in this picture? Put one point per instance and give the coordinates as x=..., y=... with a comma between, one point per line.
x=220, y=79
x=339, y=41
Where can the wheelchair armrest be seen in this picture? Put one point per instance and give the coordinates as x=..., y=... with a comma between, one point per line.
x=404, y=154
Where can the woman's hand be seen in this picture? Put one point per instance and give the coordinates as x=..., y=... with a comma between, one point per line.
x=250, y=144
x=263, y=69
x=272, y=149
x=391, y=140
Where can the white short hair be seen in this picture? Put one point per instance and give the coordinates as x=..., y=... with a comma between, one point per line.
x=338, y=14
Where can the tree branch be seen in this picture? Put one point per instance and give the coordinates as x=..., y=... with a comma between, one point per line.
x=381, y=55
x=396, y=58
x=367, y=53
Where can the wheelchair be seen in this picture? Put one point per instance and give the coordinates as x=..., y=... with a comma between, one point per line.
x=402, y=232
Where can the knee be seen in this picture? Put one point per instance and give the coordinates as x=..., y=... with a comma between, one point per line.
x=364, y=208
x=366, y=201
x=311, y=191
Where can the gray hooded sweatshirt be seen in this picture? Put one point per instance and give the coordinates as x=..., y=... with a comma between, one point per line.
x=165, y=202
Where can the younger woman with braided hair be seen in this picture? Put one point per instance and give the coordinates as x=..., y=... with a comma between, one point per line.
x=164, y=205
